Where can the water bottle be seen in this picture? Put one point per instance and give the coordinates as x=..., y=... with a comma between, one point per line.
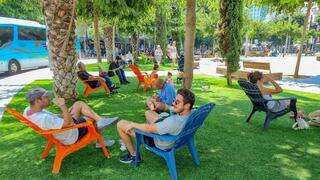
x=171, y=111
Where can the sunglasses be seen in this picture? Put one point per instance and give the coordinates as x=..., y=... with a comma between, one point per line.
x=176, y=102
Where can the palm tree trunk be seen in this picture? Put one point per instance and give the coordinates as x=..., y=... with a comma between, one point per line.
x=96, y=34
x=60, y=18
x=108, y=33
x=305, y=26
x=189, y=43
x=114, y=42
x=135, y=44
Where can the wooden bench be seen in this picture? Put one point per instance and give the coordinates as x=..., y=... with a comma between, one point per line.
x=249, y=67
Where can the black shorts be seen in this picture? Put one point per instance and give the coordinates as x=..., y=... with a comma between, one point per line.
x=83, y=130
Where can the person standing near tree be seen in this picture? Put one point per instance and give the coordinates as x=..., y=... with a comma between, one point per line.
x=173, y=53
x=158, y=55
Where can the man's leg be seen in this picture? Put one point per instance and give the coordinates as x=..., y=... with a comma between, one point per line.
x=108, y=82
x=120, y=76
x=126, y=137
x=151, y=104
x=151, y=116
x=80, y=108
x=123, y=75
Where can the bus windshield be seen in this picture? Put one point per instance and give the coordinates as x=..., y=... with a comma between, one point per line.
x=6, y=36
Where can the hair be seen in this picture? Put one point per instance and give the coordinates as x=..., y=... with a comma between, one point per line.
x=79, y=64
x=169, y=74
x=188, y=96
x=155, y=67
x=118, y=58
x=255, y=76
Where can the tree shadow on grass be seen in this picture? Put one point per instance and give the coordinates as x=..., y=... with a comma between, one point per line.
x=227, y=146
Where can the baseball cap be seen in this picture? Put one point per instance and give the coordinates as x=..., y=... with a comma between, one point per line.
x=35, y=93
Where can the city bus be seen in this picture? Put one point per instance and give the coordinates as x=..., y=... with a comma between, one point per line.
x=22, y=45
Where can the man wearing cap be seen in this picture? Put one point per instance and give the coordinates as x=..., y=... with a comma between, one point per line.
x=79, y=112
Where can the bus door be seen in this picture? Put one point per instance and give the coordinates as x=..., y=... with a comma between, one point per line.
x=6, y=38
x=31, y=46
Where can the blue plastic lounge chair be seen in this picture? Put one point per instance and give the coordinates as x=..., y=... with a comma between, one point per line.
x=184, y=138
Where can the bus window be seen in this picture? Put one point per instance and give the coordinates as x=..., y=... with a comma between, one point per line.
x=33, y=34
x=6, y=35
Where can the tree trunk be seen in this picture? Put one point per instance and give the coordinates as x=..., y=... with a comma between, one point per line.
x=161, y=29
x=114, y=42
x=305, y=26
x=176, y=14
x=60, y=19
x=108, y=33
x=96, y=34
x=189, y=43
x=135, y=44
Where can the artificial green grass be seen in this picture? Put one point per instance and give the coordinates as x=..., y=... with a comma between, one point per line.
x=228, y=147
x=143, y=67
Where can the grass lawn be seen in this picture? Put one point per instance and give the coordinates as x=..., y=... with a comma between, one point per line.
x=143, y=67
x=228, y=147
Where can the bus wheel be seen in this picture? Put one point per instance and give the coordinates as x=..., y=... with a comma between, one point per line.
x=13, y=67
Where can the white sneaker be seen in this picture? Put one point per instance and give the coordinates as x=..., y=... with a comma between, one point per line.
x=104, y=122
x=107, y=143
x=122, y=146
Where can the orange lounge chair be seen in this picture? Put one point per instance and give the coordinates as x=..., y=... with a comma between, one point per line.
x=89, y=89
x=143, y=78
x=62, y=150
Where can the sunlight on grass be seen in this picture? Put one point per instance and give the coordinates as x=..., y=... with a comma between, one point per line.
x=228, y=147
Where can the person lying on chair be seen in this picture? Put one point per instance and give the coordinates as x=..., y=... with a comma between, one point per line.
x=84, y=75
x=172, y=125
x=260, y=80
x=163, y=100
x=79, y=112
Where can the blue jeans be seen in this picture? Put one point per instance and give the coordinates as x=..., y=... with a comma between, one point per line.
x=108, y=82
x=121, y=75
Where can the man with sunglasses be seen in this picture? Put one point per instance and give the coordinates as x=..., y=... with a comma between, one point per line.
x=182, y=106
x=79, y=112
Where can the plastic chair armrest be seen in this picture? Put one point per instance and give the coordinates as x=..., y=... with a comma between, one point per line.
x=86, y=124
x=280, y=99
x=161, y=137
x=146, y=74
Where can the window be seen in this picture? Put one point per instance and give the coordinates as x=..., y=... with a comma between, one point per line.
x=33, y=34
x=6, y=35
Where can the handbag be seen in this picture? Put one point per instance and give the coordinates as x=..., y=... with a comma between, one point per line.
x=103, y=74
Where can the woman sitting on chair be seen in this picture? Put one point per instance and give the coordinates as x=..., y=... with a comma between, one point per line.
x=260, y=80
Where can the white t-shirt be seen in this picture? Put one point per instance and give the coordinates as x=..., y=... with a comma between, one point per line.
x=48, y=121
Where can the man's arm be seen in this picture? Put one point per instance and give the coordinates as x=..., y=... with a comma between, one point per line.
x=150, y=128
x=68, y=120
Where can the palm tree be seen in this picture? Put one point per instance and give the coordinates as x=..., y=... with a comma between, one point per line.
x=61, y=38
x=189, y=43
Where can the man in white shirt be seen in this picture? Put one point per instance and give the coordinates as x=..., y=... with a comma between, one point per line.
x=80, y=112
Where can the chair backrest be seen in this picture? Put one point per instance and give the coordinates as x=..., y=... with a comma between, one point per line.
x=137, y=72
x=256, y=65
x=194, y=121
x=28, y=123
x=254, y=94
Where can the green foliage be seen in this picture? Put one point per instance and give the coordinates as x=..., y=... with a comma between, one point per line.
x=22, y=9
x=230, y=26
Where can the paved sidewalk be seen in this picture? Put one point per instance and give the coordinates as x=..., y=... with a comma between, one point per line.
x=9, y=86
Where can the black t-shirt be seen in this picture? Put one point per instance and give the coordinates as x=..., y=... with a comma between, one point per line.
x=84, y=75
x=113, y=65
